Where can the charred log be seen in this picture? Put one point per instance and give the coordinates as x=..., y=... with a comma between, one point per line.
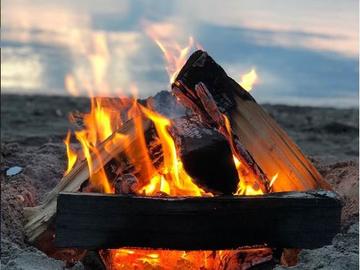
x=206, y=155
x=290, y=220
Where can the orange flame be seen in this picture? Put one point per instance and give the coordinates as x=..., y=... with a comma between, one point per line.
x=72, y=156
x=172, y=179
x=248, y=80
x=175, y=55
x=247, y=184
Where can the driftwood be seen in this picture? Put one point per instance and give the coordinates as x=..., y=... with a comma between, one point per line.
x=289, y=219
x=203, y=86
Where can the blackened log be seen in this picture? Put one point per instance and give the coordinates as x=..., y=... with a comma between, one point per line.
x=289, y=220
x=126, y=184
x=268, y=144
x=206, y=155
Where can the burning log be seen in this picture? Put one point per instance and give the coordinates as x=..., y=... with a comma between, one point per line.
x=41, y=216
x=288, y=219
x=198, y=153
x=206, y=155
x=126, y=184
x=203, y=86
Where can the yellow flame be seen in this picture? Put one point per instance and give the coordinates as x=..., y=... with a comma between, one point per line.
x=173, y=179
x=248, y=80
x=247, y=183
x=273, y=179
x=72, y=156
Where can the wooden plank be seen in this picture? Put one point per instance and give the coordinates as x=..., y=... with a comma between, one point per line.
x=288, y=220
x=272, y=149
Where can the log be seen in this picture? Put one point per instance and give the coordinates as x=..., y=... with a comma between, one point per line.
x=202, y=82
x=196, y=159
x=289, y=220
x=41, y=216
x=206, y=155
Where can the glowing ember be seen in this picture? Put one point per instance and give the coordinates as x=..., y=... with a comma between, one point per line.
x=248, y=80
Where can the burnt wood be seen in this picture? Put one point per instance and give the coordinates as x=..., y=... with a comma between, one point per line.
x=206, y=155
x=286, y=219
x=203, y=86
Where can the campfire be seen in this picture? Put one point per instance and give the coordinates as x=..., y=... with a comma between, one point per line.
x=219, y=187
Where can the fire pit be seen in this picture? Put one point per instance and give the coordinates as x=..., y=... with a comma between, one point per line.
x=225, y=182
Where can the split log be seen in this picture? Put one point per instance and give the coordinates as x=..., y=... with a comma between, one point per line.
x=41, y=216
x=289, y=219
x=202, y=83
x=206, y=155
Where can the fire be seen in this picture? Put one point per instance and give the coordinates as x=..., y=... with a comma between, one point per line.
x=169, y=178
x=172, y=178
x=248, y=80
x=72, y=156
x=247, y=184
x=174, y=54
x=165, y=259
x=273, y=179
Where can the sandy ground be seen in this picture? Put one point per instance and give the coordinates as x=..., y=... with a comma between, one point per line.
x=33, y=128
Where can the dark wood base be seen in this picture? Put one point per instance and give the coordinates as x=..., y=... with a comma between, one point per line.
x=286, y=219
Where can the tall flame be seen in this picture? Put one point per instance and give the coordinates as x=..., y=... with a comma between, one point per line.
x=248, y=80
x=172, y=179
x=174, y=54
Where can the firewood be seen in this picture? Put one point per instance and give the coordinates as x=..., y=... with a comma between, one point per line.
x=202, y=82
x=126, y=184
x=118, y=167
x=288, y=219
x=41, y=216
x=206, y=155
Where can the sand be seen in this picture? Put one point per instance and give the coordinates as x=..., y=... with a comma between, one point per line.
x=33, y=128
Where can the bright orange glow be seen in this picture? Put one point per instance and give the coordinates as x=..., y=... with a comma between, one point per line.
x=72, y=156
x=248, y=182
x=172, y=178
x=142, y=259
x=98, y=179
x=248, y=80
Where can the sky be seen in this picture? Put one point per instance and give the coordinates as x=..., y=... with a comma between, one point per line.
x=304, y=52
